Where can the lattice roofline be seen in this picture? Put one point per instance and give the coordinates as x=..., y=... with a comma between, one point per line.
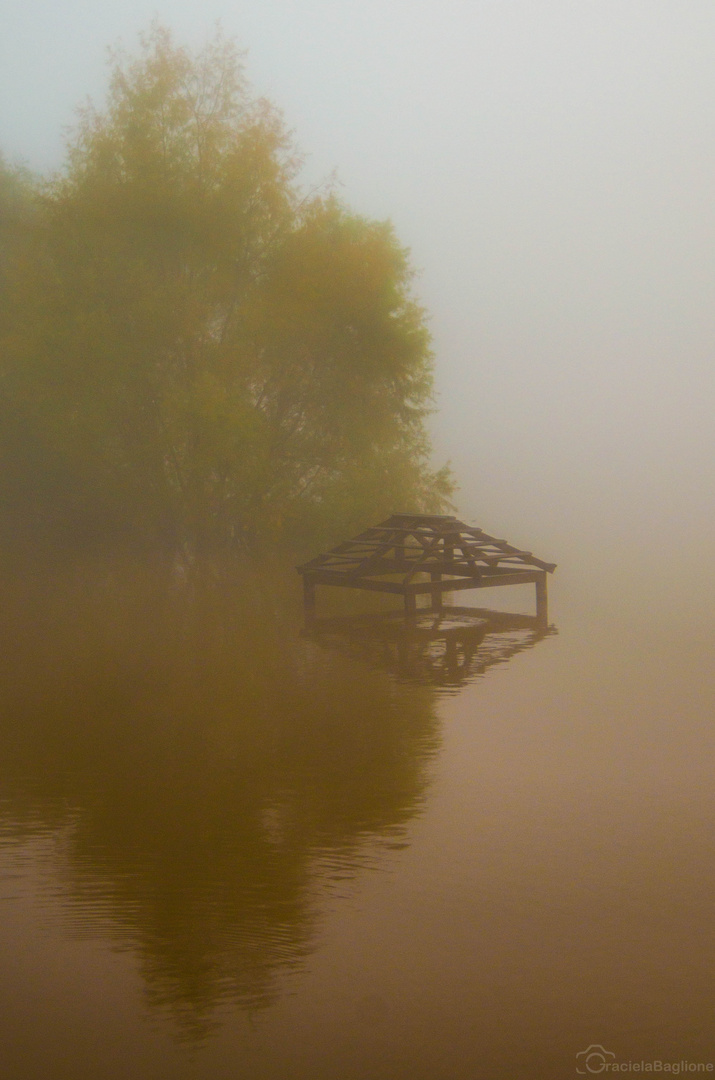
x=423, y=543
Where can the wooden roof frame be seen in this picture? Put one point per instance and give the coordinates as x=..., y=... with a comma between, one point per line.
x=456, y=556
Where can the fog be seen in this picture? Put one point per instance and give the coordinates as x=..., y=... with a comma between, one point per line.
x=232, y=848
x=549, y=164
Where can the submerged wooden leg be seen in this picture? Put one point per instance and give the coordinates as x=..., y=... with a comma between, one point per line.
x=542, y=606
x=410, y=605
x=436, y=592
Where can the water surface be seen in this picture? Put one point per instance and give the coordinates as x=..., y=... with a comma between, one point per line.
x=228, y=850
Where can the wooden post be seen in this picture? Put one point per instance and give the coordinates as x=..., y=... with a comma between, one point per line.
x=410, y=604
x=542, y=608
x=436, y=592
x=308, y=599
x=449, y=543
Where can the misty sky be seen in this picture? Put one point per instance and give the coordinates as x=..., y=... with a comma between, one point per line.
x=550, y=164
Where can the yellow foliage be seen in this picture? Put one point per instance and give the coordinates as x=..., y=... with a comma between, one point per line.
x=196, y=354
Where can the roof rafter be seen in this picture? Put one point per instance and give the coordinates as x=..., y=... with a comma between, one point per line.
x=410, y=544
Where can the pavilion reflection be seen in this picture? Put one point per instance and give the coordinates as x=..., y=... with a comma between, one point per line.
x=447, y=649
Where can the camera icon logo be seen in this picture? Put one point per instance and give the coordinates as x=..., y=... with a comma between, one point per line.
x=594, y=1060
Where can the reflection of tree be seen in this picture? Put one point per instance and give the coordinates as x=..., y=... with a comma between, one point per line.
x=202, y=760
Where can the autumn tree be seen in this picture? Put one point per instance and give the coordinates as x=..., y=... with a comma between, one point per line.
x=198, y=353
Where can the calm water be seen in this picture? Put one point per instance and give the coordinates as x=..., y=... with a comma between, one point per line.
x=228, y=851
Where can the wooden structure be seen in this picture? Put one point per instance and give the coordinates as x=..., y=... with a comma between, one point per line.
x=399, y=554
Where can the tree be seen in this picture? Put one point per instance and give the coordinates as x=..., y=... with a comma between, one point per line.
x=200, y=354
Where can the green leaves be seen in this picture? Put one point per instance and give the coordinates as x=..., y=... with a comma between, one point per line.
x=200, y=351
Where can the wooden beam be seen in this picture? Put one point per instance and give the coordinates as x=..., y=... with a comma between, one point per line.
x=519, y=577
x=375, y=558
x=527, y=577
x=385, y=565
x=436, y=579
x=421, y=517
x=542, y=603
x=429, y=549
x=329, y=577
x=456, y=584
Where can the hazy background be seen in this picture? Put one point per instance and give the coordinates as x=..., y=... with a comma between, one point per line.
x=551, y=166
